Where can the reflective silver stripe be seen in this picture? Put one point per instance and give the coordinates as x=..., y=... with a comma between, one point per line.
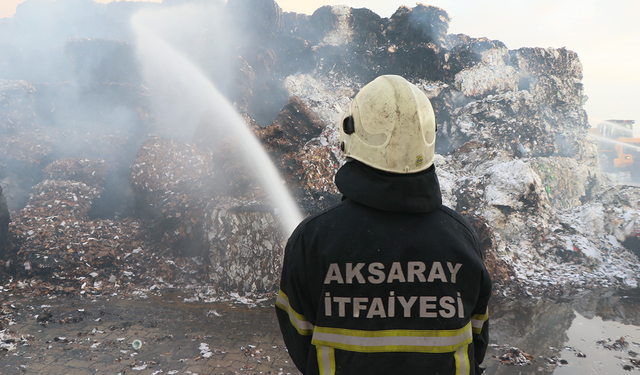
x=477, y=321
x=303, y=326
x=326, y=360
x=437, y=341
x=462, y=361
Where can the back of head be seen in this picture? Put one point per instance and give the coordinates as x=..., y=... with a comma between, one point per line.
x=390, y=125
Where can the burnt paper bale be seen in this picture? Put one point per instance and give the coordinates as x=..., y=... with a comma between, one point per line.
x=242, y=86
x=467, y=51
x=319, y=167
x=294, y=126
x=554, y=77
x=492, y=75
x=323, y=21
x=56, y=197
x=368, y=30
x=54, y=244
x=172, y=182
x=234, y=176
x=285, y=140
x=567, y=181
x=421, y=24
x=268, y=97
x=334, y=39
x=25, y=147
x=17, y=105
x=247, y=246
x=298, y=25
x=163, y=164
x=92, y=172
x=52, y=233
x=512, y=121
x=537, y=90
x=116, y=197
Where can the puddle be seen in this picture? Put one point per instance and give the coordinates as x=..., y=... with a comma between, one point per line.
x=599, y=359
x=592, y=333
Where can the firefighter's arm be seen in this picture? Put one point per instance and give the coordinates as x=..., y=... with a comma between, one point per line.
x=291, y=304
x=480, y=323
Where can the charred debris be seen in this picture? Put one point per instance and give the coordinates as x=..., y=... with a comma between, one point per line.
x=99, y=198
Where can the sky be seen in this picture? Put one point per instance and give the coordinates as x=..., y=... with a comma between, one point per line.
x=604, y=33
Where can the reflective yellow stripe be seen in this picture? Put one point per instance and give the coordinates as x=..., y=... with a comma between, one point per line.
x=462, y=361
x=477, y=321
x=326, y=360
x=417, y=341
x=299, y=322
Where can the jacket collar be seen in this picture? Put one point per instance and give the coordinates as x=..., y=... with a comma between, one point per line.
x=415, y=192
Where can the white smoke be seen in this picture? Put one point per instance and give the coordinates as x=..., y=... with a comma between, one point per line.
x=183, y=93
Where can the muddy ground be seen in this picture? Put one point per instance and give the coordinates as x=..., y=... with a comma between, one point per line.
x=97, y=336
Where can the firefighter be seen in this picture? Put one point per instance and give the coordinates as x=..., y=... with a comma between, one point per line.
x=389, y=280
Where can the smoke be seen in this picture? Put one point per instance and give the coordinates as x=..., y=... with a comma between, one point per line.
x=32, y=41
x=67, y=69
x=199, y=32
x=184, y=94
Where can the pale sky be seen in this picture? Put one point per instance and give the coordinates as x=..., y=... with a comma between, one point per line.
x=604, y=33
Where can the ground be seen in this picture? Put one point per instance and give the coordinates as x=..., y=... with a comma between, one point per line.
x=96, y=336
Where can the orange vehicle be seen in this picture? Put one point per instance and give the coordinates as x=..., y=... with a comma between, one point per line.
x=618, y=147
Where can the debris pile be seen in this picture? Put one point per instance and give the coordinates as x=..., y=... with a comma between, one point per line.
x=515, y=356
x=620, y=344
x=307, y=166
x=514, y=155
x=9, y=341
x=239, y=241
x=514, y=152
x=53, y=237
x=57, y=248
x=555, y=360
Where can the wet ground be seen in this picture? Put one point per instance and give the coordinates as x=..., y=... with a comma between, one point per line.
x=592, y=333
x=83, y=336
x=589, y=333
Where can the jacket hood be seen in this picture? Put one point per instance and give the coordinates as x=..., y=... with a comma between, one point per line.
x=415, y=192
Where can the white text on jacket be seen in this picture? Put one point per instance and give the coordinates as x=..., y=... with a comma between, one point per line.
x=375, y=273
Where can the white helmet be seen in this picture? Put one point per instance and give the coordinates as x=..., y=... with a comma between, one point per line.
x=390, y=126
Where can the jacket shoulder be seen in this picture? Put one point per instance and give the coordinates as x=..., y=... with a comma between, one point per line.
x=310, y=219
x=465, y=223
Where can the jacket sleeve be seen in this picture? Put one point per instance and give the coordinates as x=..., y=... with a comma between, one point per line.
x=480, y=323
x=293, y=304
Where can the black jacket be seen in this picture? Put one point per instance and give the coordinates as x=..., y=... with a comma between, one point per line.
x=387, y=281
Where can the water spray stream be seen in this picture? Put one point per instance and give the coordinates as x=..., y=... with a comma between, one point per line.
x=612, y=124
x=615, y=142
x=161, y=61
